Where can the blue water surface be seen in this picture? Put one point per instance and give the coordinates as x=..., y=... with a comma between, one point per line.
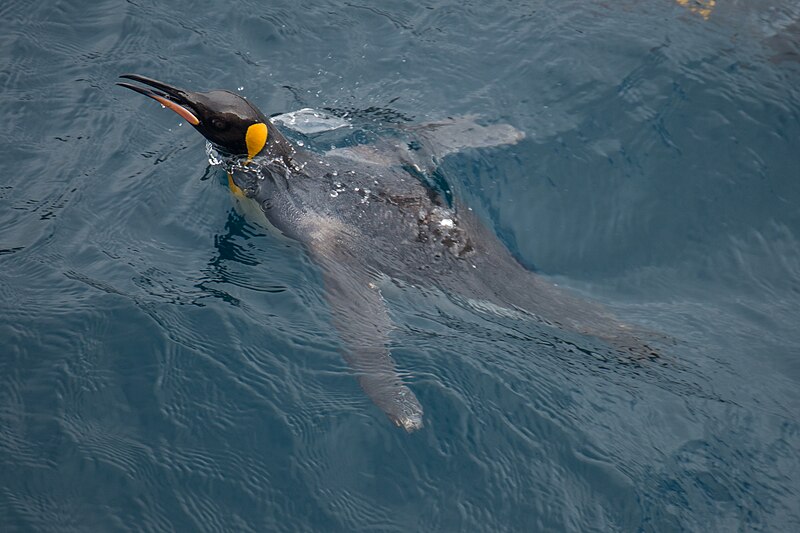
x=168, y=365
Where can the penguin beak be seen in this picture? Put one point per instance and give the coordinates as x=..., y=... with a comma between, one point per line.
x=168, y=96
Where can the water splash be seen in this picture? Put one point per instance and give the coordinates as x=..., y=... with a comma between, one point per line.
x=215, y=158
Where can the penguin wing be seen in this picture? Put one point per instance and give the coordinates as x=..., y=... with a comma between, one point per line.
x=455, y=134
x=309, y=121
x=421, y=145
x=363, y=324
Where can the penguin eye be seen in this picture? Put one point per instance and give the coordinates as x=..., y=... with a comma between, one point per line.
x=219, y=124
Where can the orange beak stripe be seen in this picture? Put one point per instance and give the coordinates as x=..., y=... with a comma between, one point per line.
x=180, y=110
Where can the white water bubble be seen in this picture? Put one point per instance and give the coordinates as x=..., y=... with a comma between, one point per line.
x=214, y=157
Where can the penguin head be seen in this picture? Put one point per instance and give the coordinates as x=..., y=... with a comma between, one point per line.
x=231, y=123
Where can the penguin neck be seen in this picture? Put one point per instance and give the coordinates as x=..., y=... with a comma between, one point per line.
x=279, y=148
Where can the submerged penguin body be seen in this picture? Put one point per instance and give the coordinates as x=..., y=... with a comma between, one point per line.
x=364, y=216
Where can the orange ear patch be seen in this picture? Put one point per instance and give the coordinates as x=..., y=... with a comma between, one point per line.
x=256, y=138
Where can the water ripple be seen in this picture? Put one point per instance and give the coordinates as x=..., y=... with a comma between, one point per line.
x=169, y=365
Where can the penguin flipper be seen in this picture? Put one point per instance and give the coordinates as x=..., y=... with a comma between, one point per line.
x=426, y=142
x=450, y=135
x=309, y=121
x=360, y=317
